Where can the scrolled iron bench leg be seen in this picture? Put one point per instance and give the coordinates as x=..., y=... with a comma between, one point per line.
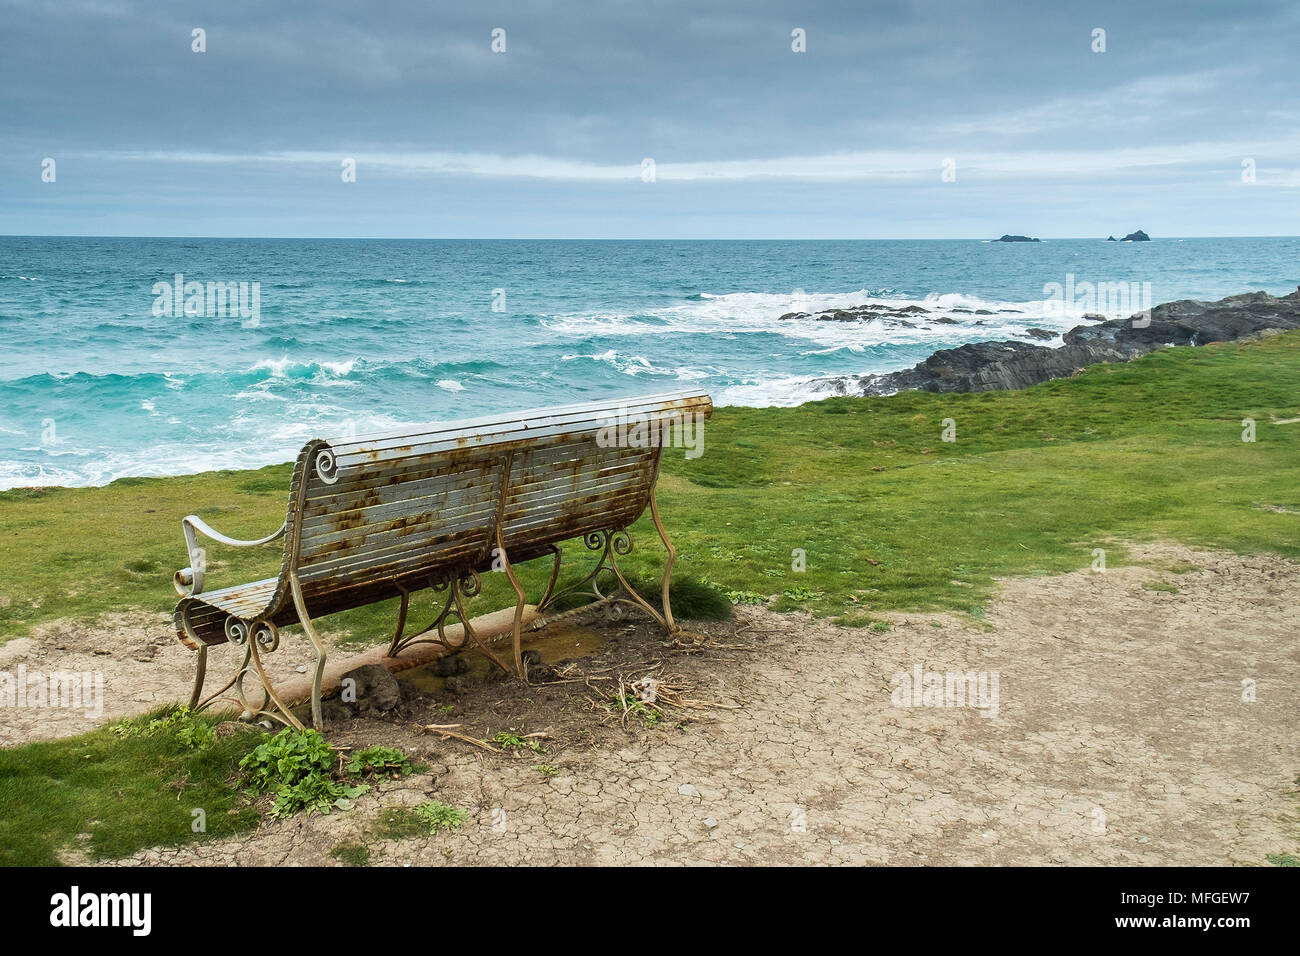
x=272, y=696
x=395, y=645
x=594, y=541
x=521, y=599
x=304, y=619
x=668, y=565
x=555, y=576
x=200, y=673
x=620, y=542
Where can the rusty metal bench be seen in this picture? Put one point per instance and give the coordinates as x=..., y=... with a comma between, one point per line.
x=384, y=516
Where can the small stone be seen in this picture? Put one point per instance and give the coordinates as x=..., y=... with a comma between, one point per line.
x=458, y=685
x=688, y=790
x=302, y=668
x=710, y=823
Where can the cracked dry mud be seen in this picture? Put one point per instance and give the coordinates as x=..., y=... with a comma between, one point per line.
x=1122, y=737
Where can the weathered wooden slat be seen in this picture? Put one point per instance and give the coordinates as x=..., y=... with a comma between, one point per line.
x=522, y=426
x=431, y=554
x=400, y=474
x=426, y=492
x=381, y=537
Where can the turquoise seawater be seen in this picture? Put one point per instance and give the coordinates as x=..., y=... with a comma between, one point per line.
x=98, y=381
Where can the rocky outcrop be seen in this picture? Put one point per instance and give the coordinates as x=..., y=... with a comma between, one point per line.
x=892, y=317
x=1016, y=239
x=991, y=366
x=1138, y=236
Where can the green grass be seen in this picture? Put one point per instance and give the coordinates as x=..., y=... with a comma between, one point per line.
x=351, y=854
x=118, y=793
x=436, y=816
x=427, y=818
x=397, y=823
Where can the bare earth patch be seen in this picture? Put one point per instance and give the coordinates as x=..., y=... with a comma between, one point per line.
x=1121, y=737
x=139, y=660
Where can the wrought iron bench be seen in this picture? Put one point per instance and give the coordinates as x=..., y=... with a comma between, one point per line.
x=384, y=516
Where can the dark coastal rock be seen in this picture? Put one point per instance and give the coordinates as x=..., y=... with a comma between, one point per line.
x=1015, y=239
x=1041, y=334
x=859, y=313
x=1094, y=317
x=1138, y=236
x=1111, y=239
x=991, y=366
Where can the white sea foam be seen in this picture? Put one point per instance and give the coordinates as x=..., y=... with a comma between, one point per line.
x=627, y=364
x=743, y=313
x=780, y=392
x=283, y=367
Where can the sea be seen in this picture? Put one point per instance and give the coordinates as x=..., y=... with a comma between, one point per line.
x=136, y=356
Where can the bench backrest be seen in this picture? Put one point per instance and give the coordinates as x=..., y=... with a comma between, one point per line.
x=373, y=511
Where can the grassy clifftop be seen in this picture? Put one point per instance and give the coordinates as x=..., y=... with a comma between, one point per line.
x=888, y=514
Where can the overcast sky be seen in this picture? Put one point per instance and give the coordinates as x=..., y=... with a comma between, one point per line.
x=749, y=139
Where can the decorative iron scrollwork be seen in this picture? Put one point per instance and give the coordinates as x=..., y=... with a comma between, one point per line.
x=327, y=466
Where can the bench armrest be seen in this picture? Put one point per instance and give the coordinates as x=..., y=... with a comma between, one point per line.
x=189, y=581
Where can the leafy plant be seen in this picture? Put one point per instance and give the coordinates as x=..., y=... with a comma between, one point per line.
x=315, y=794
x=801, y=593
x=547, y=770
x=634, y=705
x=288, y=757
x=384, y=761
x=194, y=732
x=296, y=765
x=196, y=735
x=509, y=741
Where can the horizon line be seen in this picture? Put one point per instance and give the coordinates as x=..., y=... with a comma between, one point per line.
x=629, y=238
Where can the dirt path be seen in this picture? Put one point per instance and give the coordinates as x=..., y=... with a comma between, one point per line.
x=1121, y=736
